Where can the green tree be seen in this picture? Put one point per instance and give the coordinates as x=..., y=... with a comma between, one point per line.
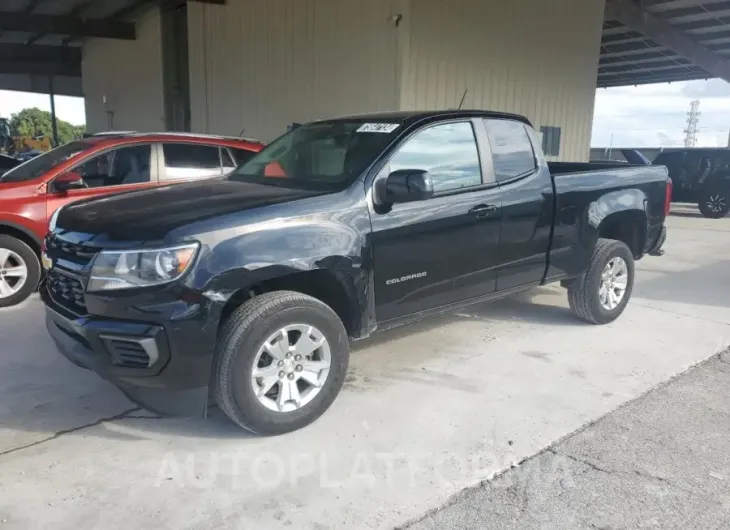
x=36, y=122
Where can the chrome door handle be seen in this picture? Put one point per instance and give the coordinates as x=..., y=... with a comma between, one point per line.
x=483, y=210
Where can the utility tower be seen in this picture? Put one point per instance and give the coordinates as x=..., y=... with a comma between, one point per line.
x=693, y=119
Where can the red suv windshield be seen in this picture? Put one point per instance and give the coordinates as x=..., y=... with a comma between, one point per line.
x=35, y=167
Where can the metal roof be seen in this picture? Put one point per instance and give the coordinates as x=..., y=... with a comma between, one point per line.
x=632, y=55
x=40, y=39
x=682, y=40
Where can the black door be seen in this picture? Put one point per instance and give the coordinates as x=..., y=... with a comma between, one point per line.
x=443, y=250
x=527, y=203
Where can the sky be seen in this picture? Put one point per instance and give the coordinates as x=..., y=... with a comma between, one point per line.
x=656, y=115
x=641, y=116
x=67, y=108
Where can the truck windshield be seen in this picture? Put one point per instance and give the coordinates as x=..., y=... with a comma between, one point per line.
x=323, y=156
x=35, y=167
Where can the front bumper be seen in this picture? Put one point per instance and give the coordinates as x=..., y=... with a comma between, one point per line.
x=159, y=355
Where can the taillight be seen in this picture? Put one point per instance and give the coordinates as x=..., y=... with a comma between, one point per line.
x=668, y=197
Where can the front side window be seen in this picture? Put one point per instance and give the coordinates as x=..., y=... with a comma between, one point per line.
x=448, y=152
x=118, y=167
x=191, y=161
x=325, y=156
x=511, y=148
x=36, y=167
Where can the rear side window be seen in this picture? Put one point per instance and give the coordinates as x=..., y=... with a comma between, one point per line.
x=191, y=162
x=511, y=149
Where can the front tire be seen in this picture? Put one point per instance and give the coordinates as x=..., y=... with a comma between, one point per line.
x=281, y=360
x=20, y=271
x=714, y=203
x=601, y=294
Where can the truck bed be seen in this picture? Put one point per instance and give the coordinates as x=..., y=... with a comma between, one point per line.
x=561, y=168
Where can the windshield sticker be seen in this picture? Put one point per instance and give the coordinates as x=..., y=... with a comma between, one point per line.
x=378, y=127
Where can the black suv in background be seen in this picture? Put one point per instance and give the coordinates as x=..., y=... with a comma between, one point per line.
x=701, y=176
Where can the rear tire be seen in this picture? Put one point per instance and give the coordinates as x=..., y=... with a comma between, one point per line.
x=714, y=203
x=585, y=293
x=15, y=255
x=246, y=339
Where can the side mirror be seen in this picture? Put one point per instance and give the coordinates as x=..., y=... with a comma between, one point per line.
x=67, y=181
x=408, y=185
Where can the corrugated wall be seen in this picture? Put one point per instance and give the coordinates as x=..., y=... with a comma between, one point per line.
x=260, y=65
x=534, y=57
x=129, y=74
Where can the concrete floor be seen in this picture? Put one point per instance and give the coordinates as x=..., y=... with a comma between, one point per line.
x=662, y=461
x=427, y=411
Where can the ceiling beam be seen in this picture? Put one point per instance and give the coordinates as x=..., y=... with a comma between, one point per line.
x=668, y=36
x=76, y=11
x=39, y=60
x=67, y=25
x=36, y=52
x=45, y=68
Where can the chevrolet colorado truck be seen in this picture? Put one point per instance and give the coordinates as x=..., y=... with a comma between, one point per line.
x=248, y=289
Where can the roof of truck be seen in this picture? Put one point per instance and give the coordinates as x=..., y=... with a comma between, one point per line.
x=412, y=116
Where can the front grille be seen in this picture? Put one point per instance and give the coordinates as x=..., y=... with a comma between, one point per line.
x=66, y=291
x=61, y=249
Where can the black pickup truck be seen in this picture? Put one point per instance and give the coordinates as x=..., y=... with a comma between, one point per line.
x=248, y=289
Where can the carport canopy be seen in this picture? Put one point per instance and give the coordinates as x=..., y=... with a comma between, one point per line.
x=643, y=41
x=654, y=41
x=41, y=40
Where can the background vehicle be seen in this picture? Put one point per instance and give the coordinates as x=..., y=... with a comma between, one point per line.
x=700, y=175
x=337, y=229
x=33, y=191
x=7, y=163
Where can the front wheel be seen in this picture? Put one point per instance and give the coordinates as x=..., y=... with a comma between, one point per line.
x=20, y=271
x=714, y=203
x=601, y=294
x=280, y=362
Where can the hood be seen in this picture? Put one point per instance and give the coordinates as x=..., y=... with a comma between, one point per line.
x=153, y=213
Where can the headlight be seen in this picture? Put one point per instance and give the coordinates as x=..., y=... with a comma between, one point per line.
x=127, y=269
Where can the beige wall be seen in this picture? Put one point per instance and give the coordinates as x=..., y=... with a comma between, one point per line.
x=533, y=57
x=129, y=74
x=262, y=64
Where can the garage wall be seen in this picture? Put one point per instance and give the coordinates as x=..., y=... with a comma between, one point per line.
x=261, y=65
x=129, y=74
x=532, y=57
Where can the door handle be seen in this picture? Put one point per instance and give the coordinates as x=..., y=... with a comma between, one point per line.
x=483, y=210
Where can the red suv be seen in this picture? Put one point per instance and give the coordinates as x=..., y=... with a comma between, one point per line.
x=98, y=165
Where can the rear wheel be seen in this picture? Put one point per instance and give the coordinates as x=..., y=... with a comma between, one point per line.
x=715, y=203
x=601, y=294
x=280, y=362
x=20, y=271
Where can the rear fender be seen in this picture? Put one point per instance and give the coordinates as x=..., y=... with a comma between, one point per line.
x=613, y=215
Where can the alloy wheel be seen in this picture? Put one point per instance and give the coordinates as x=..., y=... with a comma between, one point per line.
x=614, y=281
x=716, y=203
x=13, y=273
x=291, y=368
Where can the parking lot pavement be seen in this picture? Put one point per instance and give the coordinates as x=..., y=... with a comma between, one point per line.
x=427, y=410
x=662, y=461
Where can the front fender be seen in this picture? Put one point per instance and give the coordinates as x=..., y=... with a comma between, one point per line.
x=254, y=257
